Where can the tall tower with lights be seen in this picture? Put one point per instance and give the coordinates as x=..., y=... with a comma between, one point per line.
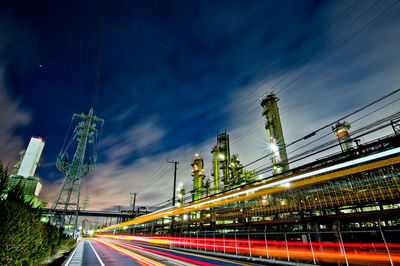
x=85, y=139
x=198, y=177
x=273, y=125
x=221, y=162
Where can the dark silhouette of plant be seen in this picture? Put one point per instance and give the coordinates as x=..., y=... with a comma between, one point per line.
x=24, y=239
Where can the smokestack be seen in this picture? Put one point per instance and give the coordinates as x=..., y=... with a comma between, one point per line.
x=276, y=140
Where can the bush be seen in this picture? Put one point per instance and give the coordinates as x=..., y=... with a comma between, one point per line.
x=24, y=239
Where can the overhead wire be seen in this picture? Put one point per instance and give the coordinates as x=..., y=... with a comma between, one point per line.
x=330, y=124
x=338, y=47
x=291, y=59
x=99, y=52
x=372, y=127
x=154, y=180
x=324, y=46
x=326, y=147
x=331, y=51
x=320, y=60
x=81, y=53
x=146, y=180
x=365, y=130
x=351, y=123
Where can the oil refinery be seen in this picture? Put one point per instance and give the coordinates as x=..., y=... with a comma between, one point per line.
x=200, y=132
x=341, y=199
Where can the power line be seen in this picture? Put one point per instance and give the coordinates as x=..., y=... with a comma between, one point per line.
x=329, y=124
x=154, y=181
x=331, y=52
x=326, y=146
x=372, y=127
x=291, y=59
x=148, y=179
x=323, y=46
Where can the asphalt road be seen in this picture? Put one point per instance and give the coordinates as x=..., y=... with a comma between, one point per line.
x=101, y=251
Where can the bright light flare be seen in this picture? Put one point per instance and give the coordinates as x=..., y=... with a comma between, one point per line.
x=274, y=148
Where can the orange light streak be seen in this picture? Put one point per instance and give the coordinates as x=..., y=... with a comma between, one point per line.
x=326, y=252
x=135, y=256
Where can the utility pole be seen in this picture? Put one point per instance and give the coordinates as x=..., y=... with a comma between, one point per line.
x=133, y=199
x=119, y=210
x=174, y=192
x=85, y=203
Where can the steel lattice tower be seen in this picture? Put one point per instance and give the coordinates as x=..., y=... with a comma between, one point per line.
x=86, y=135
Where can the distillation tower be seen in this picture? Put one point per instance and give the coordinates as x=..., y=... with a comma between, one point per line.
x=86, y=135
x=221, y=162
x=273, y=125
x=341, y=130
x=197, y=173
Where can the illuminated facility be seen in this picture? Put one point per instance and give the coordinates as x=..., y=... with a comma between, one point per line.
x=276, y=142
x=355, y=190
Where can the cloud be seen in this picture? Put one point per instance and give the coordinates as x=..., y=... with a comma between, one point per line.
x=139, y=138
x=13, y=118
x=191, y=84
x=361, y=71
x=112, y=182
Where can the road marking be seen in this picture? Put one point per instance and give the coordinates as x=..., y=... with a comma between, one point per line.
x=194, y=255
x=151, y=253
x=141, y=259
x=97, y=255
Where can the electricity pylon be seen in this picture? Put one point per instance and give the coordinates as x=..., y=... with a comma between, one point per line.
x=86, y=135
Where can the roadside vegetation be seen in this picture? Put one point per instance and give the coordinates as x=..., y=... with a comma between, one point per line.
x=24, y=239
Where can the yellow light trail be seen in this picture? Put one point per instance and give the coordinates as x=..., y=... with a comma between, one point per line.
x=271, y=187
x=139, y=258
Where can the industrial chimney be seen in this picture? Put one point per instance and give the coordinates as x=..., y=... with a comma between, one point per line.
x=273, y=125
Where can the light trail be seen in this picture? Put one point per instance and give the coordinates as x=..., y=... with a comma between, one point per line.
x=180, y=258
x=270, y=187
x=357, y=253
x=166, y=256
x=97, y=255
x=167, y=240
x=135, y=256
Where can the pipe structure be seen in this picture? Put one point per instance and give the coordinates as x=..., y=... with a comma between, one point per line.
x=197, y=173
x=341, y=130
x=221, y=162
x=276, y=140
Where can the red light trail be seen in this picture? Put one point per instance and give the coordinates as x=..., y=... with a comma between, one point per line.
x=357, y=253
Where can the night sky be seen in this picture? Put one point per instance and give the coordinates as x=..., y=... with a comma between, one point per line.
x=165, y=75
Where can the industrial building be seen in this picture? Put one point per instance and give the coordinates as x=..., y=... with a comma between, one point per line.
x=26, y=168
x=349, y=196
